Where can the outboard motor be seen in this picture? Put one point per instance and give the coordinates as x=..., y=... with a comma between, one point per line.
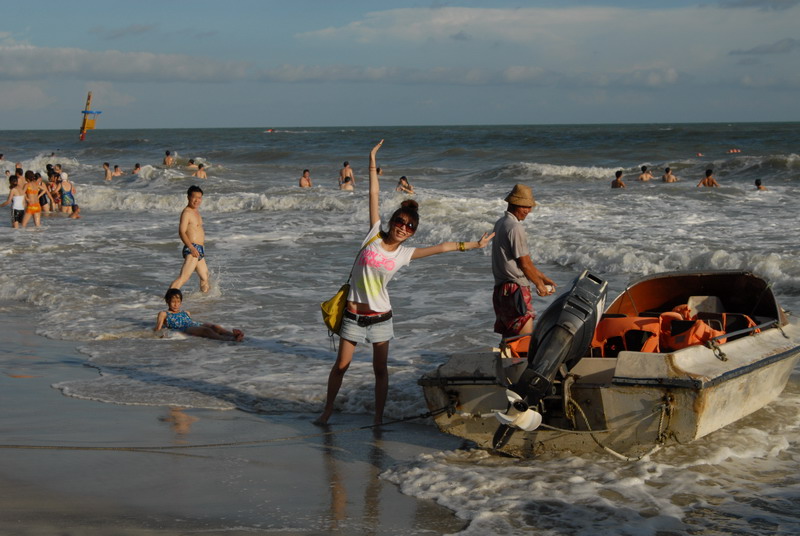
x=562, y=335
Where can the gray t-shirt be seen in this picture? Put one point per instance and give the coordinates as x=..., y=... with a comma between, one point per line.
x=508, y=245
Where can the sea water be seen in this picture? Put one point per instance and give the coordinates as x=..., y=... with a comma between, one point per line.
x=276, y=251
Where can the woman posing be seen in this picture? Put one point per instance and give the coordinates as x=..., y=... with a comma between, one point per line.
x=368, y=314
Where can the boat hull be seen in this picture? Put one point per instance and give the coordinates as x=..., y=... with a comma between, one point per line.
x=629, y=404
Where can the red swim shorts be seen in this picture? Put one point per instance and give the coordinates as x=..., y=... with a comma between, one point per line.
x=513, y=308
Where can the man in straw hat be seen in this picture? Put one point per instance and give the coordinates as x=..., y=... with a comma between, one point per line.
x=513, y=269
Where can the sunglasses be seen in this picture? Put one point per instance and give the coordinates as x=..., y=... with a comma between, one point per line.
x=400, y=222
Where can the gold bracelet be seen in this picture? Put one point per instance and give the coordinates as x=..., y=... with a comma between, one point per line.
x=461, y=247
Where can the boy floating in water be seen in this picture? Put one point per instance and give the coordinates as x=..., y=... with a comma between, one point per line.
x=179, y=320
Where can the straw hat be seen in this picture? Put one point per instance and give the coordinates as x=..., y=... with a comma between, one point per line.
x=521, y=196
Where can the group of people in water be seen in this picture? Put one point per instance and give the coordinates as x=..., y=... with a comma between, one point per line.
x=31, y=194
x=708, y=180
x=347, y=180
x=645, y=176
x=198, y=169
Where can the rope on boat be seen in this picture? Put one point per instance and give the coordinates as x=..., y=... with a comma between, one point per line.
x=165, y=449
x=601, y=431
x=666, y=412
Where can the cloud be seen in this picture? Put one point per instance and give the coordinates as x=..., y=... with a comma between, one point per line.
x=763, y=5
x=651, y=78
x=106, y=93
x=6, y=38
x=395, y=75
x=636, y=78
x=118, y=33
x=784, y=46
x=461, y=36
x=25, y=62
x=23, y=96
x=749, y=61
x=525, y=25
x=462, y=76
x=527, y=74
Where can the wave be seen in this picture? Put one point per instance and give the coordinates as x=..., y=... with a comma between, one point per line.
x=521, y=171
x=293, y=131
x=464, y=152
x=103, y=198
x=621, y=256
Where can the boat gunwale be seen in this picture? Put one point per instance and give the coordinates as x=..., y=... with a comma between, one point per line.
x=699, y=384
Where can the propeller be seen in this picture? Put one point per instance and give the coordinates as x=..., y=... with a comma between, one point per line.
x=518, y=416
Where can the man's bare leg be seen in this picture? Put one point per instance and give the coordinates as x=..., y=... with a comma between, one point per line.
x=202, y=273
x=189, y=265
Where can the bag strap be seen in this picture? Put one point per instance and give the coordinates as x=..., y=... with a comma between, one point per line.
x=370, y=241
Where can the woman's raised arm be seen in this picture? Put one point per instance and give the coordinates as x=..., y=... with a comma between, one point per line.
x=374, y=187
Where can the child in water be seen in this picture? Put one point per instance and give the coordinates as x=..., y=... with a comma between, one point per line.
x=179, y=320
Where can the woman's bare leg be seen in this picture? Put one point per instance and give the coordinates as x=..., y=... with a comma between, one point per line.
x=380, y=360
x=343, y=359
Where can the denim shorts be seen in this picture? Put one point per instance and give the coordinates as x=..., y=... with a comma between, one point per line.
x=380, y=332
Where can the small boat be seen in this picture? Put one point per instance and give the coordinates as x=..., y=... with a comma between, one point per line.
x=674, y=357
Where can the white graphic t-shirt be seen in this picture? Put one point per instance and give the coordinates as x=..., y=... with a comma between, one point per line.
x=373, y=270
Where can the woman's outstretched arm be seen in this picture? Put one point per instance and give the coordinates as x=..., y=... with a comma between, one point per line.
x=452, y=246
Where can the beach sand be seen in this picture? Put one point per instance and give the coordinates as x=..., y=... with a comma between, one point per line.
x=311, y=484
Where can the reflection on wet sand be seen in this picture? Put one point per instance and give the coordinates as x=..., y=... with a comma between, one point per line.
x=335, y=458
x=353, y=465
x=180, y=423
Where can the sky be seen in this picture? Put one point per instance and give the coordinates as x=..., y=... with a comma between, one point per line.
x=295, y=63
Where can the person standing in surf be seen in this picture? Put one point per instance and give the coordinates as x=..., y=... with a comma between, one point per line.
x=192, y=234
x=16, y=196
x=617, y=182
x=33, y=193
x=305, y=180
x=708, y=181
x=347, y=180
x=513, y=269
x=368, y=313
x=200, y=173
x=107, y=175
x=668, y=176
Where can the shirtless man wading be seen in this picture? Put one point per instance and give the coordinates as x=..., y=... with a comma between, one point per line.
x=346, y=178
x=190, y=229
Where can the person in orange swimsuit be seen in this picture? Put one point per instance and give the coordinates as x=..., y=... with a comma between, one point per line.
x=33, y=190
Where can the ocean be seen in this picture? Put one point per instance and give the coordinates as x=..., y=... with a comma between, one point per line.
x=276, y=251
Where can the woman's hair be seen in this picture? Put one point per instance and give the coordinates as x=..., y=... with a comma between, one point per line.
x=173, y=292
x=13, y=181
x=409, y=207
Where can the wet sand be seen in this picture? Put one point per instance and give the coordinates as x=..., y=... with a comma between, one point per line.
x=274, y=473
